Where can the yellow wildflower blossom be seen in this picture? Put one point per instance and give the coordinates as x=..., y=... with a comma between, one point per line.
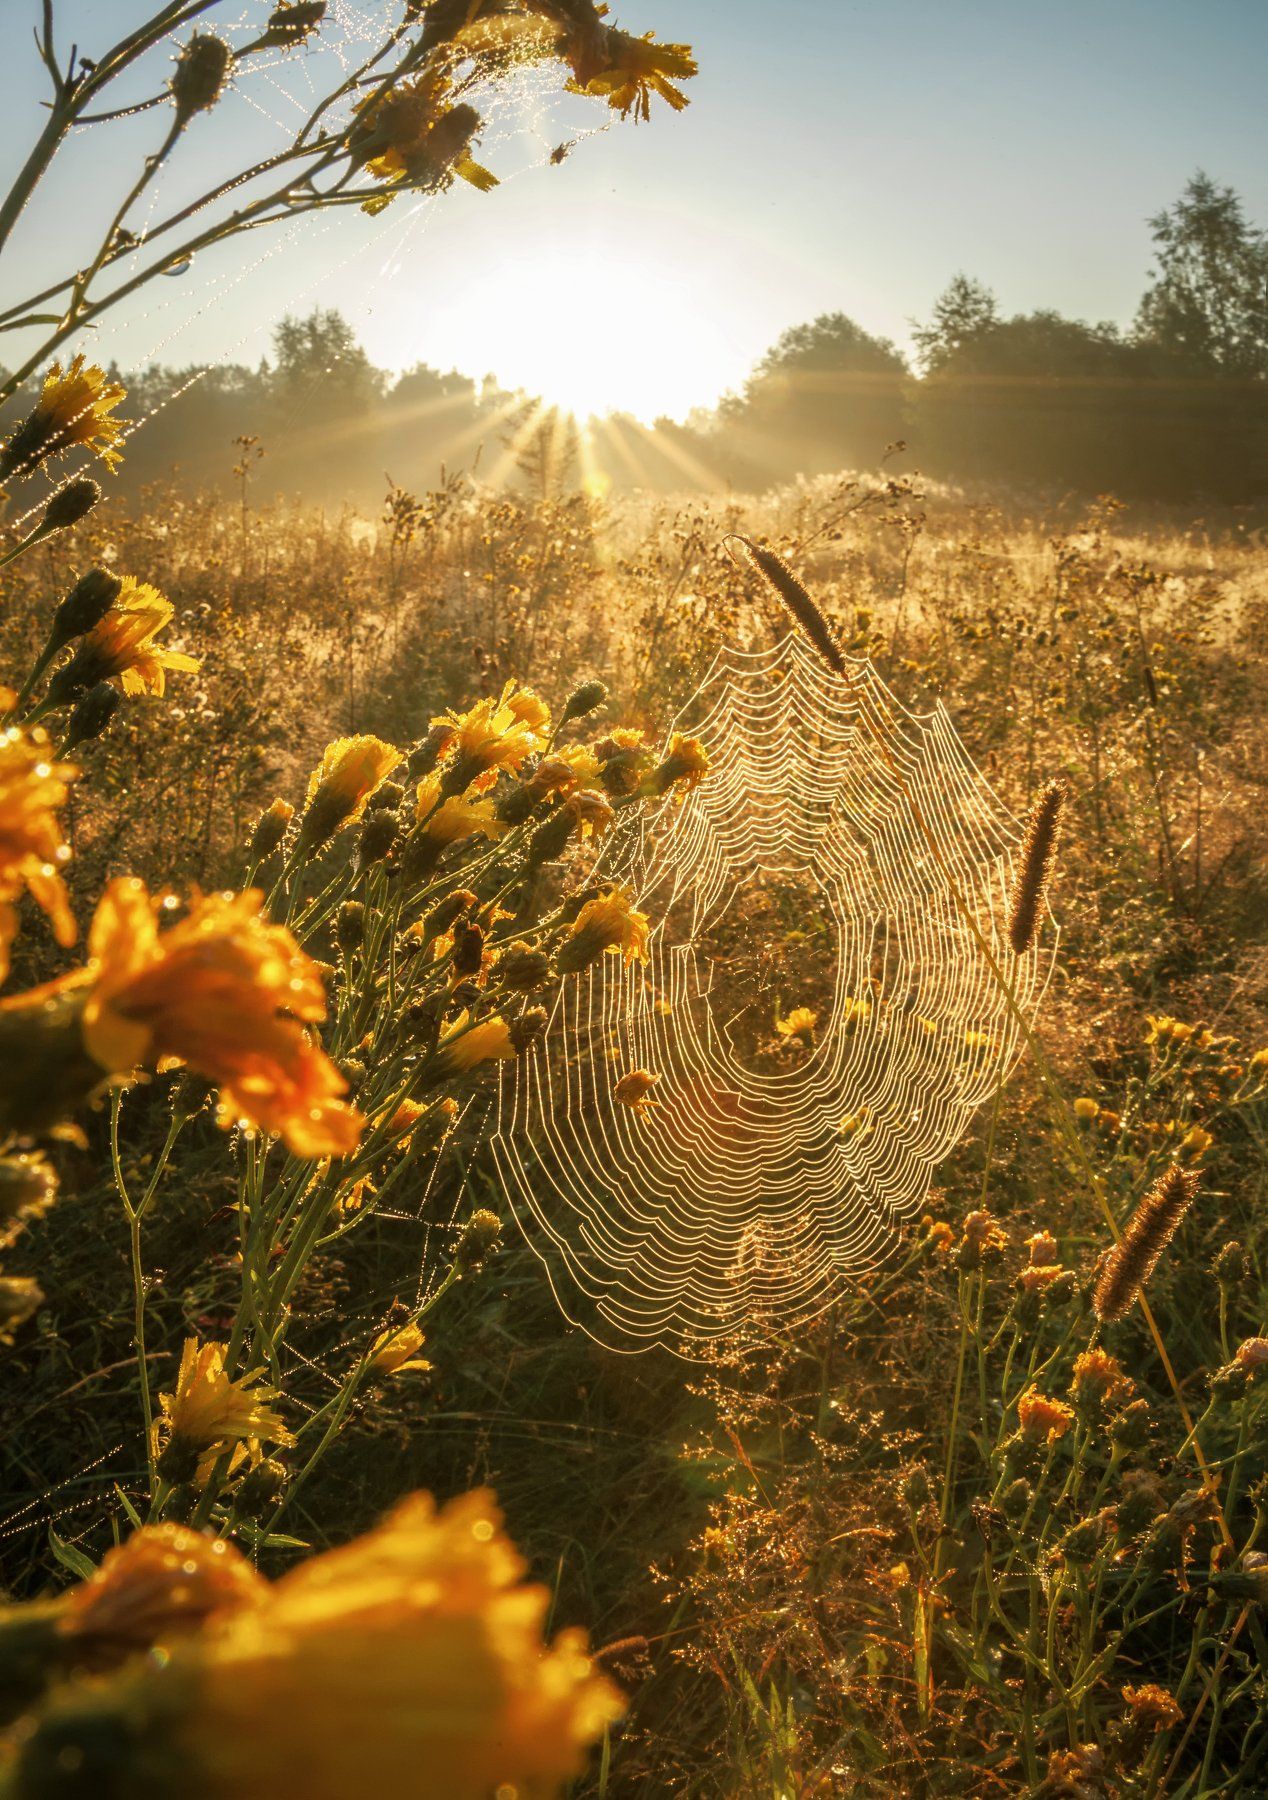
x=607, y=923
x=74, y=407
x=413, y=1654
x=634, y=69
x=396, y=1349
x=227, y=994
x=163, y=1581
x=341, y=785
x=452, y=820
x=212, y=1410
x=799, y=1023
x=121, y=647
x=493, y=734
x=33, y=786
x=1042, y=1418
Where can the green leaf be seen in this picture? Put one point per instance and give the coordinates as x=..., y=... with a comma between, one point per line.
x=70, y=1558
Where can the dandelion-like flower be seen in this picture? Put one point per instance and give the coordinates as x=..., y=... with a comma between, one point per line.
x=609, y=922
x=33, y=849
x=494, y=734
x=799, y=1023
x=226, y=994
x=339, y=788
x=75, y=406
x=163, y=1581
x=121, y=647
x=453, y=820
x=464, y=1045
x=396, y=1349
x=212, y=1410
x=635, y=69
x=411, y=1660
x=1042, y=1418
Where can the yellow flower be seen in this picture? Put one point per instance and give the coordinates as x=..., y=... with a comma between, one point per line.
x=413, y=135
x=635, y=1090
x=1197, y=1140
x=1043, y=1418
x=74, y=407
x=212, y=1410
x=591, y=811
x=1085, y=1110
x=121, y=649
x=853, y=1012
x=607, y=923
x=1161, y=1029
x=634, y=69
x=1097, y=1376
x=350, y=770
x=410, y=1661
x=583, y=763
x=1044, y=1249
x=228, y=995
x=493, y=734
x=1259, y=1060
x=528, y=707
x=455, y=819
x=686, y=761
x=32, y=848
x=799, y=1023
x=161, y=1582
x=464, y=1045
x=395, y=1349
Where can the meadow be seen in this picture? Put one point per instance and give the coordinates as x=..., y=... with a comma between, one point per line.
x=953, y=1537
x=315, y=819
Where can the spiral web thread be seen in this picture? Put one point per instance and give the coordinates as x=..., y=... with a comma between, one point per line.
x=749, y=1192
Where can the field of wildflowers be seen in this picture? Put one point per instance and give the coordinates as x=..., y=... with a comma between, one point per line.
x=303, y=820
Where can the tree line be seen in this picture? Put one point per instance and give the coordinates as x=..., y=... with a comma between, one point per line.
x=1174, y=408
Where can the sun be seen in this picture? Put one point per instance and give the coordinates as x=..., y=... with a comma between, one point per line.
x=591, y=320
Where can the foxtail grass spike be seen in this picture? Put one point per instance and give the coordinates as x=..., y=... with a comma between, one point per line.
x=1136, y=1255
x=798, y=601
x=1034, y=871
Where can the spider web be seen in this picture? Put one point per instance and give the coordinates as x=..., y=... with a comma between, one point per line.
x=753, y=1187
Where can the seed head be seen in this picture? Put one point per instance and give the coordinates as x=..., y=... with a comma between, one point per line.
x=1136, y=1255
x=201, y=71
x=799, y=604
x=69, y=505
x=1034, y=870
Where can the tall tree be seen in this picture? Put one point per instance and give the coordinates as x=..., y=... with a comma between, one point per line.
x=1208, y=301
x=963, y=314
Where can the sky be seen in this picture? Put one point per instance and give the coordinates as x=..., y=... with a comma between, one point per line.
x=836, y=156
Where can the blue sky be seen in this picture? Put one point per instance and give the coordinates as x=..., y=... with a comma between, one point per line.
x=835, y=155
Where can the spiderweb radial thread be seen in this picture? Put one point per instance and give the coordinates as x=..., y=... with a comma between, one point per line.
x=748, y=1192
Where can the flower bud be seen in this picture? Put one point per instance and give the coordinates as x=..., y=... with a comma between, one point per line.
x=479, y=1236
x=91, y=714
x=290, y=23
x=259, y=1488
x=270, y=829
x=441, y=917
x=468, y=947
x=550, y=838
x=199, y=78
x=582, y=700
x=1016, y=1497
x=69, y=505
x=423, y=758
x=386, y=797
x=522, y=969
x=86, y=605
x=350, y=926
x=525, y=1029
x=378, y=836
x=1229, y=1266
